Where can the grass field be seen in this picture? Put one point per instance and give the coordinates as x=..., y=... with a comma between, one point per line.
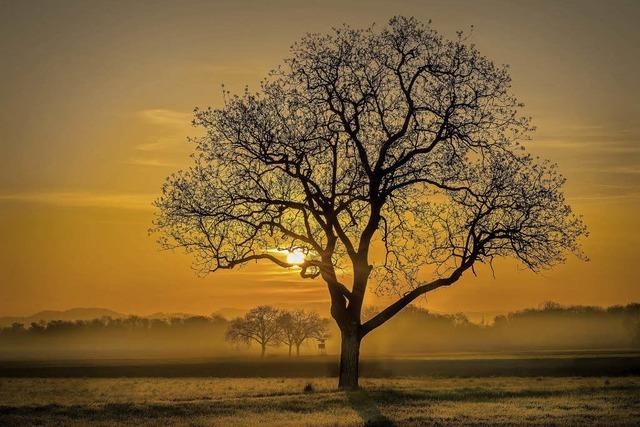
x=274, y=401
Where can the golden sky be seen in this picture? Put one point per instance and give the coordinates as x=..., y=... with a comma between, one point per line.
x=96, y=100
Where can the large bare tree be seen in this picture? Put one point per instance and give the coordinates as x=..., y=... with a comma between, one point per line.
x=388, y=156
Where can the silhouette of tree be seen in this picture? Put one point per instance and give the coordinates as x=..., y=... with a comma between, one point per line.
x=390, y=153
x=259, y=324
x=298, y=326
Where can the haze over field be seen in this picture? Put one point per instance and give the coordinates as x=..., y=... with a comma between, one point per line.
x=549, y=330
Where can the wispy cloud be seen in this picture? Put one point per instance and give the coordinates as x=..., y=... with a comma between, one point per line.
x=151, y=162
x=166, y=145
x=219, y=71
x=606, y=146
x=605, y=197
x=592, y=138
x=631, y=169
x=132, y=201
x=166, y=117
x=626, y=170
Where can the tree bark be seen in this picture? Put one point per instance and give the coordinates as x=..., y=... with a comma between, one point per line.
x=290, y=345
x=298, y=350
x=349, y=359
x=264, y=349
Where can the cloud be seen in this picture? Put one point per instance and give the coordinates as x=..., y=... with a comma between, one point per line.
x=166, y=147
x=626, y=170
x=161, y=116
x=164, y=144
x=151, y=162
x=591, y=138
x=610, y=169
x=603, y=145
x=606, y=197
x=232, y=72
x=84, y=199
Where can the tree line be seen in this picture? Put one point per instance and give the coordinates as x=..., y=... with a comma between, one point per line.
x=548, y=327
x=415, y=330
x=114, y=337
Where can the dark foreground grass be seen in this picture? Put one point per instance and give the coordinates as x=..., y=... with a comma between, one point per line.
x=259, y=401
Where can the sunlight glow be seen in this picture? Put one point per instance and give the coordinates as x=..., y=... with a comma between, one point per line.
x=295, y=257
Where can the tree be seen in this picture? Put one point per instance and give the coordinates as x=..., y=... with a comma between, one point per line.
x=389, y=154
x=298, y=326
x=259, y=325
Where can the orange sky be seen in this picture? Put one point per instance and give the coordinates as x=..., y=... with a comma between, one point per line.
x=95, y=101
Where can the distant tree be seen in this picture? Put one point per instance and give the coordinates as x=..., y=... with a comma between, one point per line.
x=551, y=306
x=38, y=327
x=390, y=137
x=259, y=324
x=298, y=326
x=635, y=331
x=17, y=328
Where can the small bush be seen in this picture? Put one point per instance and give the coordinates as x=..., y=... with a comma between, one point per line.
x=308, y=388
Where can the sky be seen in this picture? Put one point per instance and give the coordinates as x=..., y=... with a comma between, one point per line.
x=95, y=109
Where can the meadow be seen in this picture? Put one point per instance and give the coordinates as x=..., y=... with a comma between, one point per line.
x=285, y=402
x=555, y=389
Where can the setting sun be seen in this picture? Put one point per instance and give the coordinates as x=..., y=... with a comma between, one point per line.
x=295, y=257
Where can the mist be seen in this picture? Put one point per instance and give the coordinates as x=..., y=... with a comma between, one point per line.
x=413, y=332
x=551, y=327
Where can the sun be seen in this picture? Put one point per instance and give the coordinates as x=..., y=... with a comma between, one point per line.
x=295, y=257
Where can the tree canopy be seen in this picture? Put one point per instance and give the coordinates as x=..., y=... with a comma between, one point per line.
x=260, y=324
x=388, y=153
x=298, y=326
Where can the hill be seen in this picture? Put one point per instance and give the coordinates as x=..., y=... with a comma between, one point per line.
x=80, y=313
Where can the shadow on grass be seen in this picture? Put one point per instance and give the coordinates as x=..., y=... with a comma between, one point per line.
x=367, y=407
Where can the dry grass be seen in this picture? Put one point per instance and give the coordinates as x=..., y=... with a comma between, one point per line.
x=261, y=402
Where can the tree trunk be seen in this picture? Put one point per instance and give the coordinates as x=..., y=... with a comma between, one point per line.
x=290, y=345
x=349, y=359
x=298, y=350
x=264, y=349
